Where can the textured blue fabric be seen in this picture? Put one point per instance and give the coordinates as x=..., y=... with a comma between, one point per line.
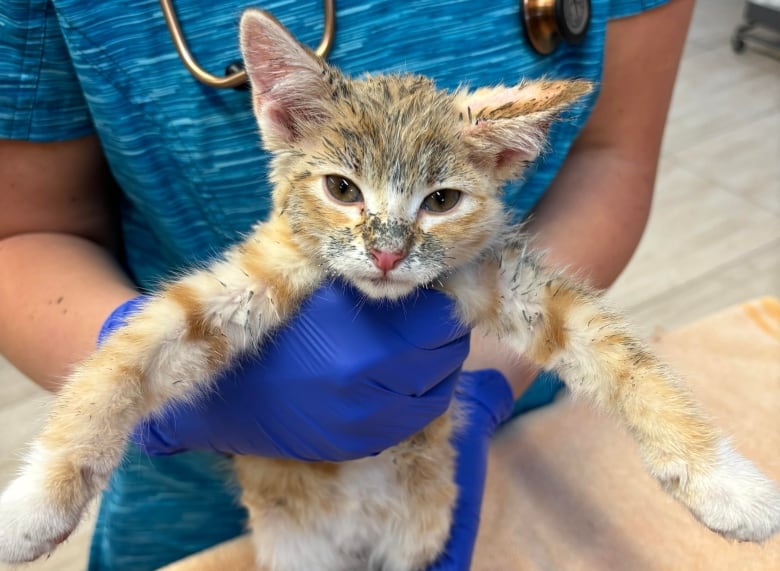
x=186, y=156
x=542, y=391
x=625, y=8
x=192, y=173
x=157, y=510
x=40, y=99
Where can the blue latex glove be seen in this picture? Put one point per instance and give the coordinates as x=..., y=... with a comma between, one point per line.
x=488, y=401
x=346, y=378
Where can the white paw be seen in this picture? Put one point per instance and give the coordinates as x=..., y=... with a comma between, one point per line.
x=735, y=499
x=31, y=525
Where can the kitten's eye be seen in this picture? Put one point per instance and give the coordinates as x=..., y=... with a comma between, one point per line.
x=441, y=200
x=343, y=189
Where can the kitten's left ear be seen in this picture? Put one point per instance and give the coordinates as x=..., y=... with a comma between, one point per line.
x=289, y=83
x=506, y=127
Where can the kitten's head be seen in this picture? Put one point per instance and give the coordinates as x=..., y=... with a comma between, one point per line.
x=387, y=181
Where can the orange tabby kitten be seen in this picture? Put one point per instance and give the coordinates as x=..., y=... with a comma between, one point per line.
x=390, y=184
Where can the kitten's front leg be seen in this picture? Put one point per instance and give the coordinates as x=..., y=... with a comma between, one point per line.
x=170, y=351
x=566, y=327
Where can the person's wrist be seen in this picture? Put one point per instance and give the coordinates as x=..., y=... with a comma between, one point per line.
x=522, y=375
x=488, y=353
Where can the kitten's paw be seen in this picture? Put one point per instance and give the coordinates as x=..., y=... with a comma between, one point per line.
x=735, y=499
x=41, y=507
x=30, y=526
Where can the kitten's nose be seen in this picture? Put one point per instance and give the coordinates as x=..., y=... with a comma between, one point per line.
x=385, y=260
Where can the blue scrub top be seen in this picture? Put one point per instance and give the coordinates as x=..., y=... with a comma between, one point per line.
x=192, y=174
x=187, y=156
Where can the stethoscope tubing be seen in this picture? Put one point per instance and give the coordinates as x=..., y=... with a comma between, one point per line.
x=236, y=77
x=544, y=22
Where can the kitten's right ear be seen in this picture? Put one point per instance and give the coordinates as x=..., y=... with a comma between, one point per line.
x=289, y=82
x=506, y=127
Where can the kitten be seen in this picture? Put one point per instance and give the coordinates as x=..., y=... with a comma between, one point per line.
x=389, y=184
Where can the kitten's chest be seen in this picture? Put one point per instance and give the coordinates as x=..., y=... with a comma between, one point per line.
x=390, y=511
x=340, y=513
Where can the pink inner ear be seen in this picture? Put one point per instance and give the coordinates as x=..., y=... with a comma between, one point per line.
x=288, y=89
x=272, y=55
x=506, y=146
x=510, y=158
x=277, y=117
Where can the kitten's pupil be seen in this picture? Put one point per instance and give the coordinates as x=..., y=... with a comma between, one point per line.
x=441, y=200
x=343, y=189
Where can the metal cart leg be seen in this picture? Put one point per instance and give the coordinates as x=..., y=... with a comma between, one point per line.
x=757, y=15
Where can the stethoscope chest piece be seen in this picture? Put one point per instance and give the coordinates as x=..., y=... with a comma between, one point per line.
x=546, y=22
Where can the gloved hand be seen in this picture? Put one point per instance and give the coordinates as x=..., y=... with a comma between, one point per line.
x=487, y=399
x=344, y=379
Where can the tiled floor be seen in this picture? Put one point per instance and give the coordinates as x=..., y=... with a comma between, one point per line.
x=713, y=239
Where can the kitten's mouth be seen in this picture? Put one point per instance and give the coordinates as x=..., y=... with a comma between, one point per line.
x=382, y=279
x=384, y=286
x=387, y=280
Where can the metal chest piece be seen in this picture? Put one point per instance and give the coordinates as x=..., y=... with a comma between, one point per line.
x=546, y=22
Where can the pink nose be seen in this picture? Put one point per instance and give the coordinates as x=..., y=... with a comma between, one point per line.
x=386, y=261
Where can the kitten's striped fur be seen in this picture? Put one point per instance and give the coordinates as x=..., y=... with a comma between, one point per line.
x=398, y=139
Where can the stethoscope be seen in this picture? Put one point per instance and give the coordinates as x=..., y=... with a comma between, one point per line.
x=546, y=23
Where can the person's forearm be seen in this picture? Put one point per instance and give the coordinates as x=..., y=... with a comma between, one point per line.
x=55, y=292
x=593, y=232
